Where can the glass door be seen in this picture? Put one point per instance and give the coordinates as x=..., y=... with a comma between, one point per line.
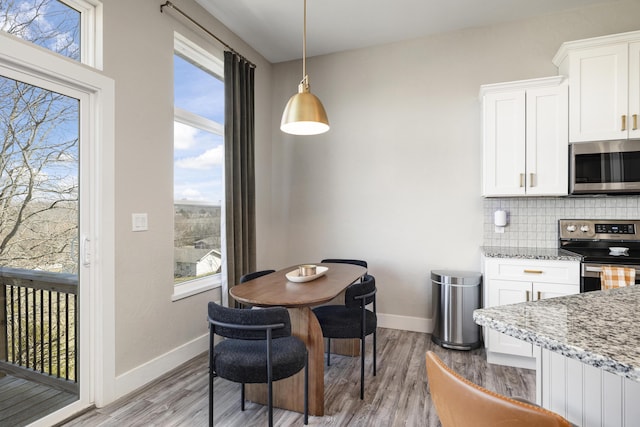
x=39, y=249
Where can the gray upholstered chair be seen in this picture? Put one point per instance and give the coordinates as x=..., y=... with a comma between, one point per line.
x=346, y=261
x=250, y=276
x=255, y=275
x=359, y=262
x=352, y=320
x=258, y=348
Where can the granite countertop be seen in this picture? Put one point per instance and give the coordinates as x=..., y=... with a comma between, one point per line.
x=599, y=328
x=529, y=253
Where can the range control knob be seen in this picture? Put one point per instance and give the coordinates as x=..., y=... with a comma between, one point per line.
x=571, y=228
x=584, y=228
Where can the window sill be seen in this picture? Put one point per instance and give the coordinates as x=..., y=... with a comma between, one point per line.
x=195, y=287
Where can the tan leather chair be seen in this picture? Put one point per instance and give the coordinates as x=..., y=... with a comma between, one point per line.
x=461, y=403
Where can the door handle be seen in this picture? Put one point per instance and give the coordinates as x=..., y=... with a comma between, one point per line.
x=539, y=295
x=531, y=182
x=624, y=122
x=86, y=251
x=521, y=180
x=635, y=122
x=590, y=269
x=527, y=271
x=528, y=296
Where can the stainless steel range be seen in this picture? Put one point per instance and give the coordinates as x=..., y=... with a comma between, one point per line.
x=593, y=240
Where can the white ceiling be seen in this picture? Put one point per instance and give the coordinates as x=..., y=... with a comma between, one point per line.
x=274, y=27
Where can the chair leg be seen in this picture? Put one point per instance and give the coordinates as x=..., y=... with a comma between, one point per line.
x=269, y=379
x=211, y=375
x=210, y=400
x=242, y=396
x=362, y=368
x=374, y=352
x=270, y=402
x=306, y=390
x=328, y=351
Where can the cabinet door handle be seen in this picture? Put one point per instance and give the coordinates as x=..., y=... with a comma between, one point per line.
x=521, y=180
x=635, y=122
x=531, y=181
x=533, y=271
x=528, y=296
x=539, y=295
x=624, y=122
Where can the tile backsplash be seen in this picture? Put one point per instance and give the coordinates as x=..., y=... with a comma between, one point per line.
x=533, y=222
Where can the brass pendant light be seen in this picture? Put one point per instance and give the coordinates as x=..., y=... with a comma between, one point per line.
x=304, y=113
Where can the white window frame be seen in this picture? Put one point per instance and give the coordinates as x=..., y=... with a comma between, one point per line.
x=200, y=56
x=91, y=30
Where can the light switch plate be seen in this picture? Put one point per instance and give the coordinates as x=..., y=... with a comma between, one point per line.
x=139, y=222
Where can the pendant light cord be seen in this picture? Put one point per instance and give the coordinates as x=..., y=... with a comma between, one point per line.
x=304, y=44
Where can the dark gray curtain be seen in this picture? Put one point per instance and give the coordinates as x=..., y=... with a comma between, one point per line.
x=239, y=139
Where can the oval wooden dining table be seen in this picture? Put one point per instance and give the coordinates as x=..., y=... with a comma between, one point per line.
x=276, y=290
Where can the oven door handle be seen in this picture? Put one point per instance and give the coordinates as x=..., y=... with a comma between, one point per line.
x=591, y=269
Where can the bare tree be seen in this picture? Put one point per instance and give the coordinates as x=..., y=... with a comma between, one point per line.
x=48, y=23
x=39, y=150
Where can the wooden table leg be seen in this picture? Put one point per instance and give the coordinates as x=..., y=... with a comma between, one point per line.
x=345, y=346
x=288, y=393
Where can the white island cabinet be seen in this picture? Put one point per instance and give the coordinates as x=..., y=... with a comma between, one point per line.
x=525, y=138
x=587, y=352
x=604, y=80
x=514, y=280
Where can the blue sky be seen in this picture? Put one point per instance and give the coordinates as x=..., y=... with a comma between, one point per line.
x=54, y=17
x=198, y=155
x=55, y=28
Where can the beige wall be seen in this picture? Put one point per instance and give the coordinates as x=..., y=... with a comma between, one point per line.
x=396, y=181
x=138, y=46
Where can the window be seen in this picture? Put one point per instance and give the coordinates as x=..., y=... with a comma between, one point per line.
x=66, y=27
x=198, y=149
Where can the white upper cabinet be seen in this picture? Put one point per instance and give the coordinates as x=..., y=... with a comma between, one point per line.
x=604, y=80
x=503, y=143
x=525, y=138
x=634, y=89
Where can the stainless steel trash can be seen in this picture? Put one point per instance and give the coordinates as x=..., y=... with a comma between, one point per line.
x=455, y=294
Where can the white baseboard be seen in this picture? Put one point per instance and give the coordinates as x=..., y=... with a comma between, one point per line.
x=405, y=323
x=155, y=368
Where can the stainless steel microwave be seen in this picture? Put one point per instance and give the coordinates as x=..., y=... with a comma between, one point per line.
x=605, y=167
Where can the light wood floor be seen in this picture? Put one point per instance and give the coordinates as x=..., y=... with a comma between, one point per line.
x=397, y=396
x=23, y=402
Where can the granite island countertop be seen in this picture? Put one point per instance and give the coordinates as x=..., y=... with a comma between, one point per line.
x=529, y=253
x=600, y=329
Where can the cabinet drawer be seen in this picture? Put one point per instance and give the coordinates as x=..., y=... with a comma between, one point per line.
x=533, y=270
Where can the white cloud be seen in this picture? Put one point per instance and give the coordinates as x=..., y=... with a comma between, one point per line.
x=206, y=160
x=190, y=194
x=184, y=136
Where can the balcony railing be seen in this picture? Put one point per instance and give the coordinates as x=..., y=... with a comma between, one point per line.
x=39, y=326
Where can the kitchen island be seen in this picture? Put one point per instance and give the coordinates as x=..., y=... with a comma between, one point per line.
x=587, y=349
